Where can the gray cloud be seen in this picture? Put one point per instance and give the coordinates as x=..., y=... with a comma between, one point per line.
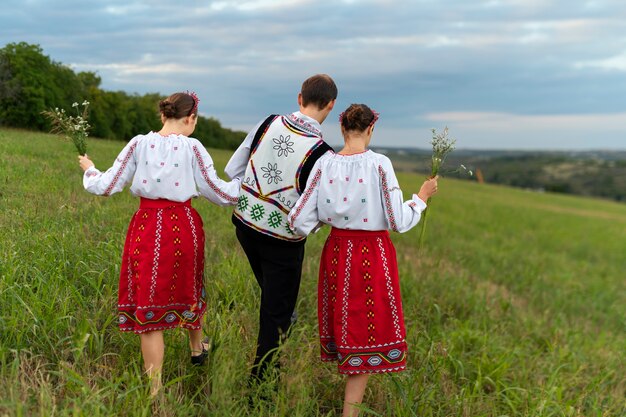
x=509, y=60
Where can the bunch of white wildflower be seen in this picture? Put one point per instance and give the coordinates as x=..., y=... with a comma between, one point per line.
x=442, y=147
x=76, y=128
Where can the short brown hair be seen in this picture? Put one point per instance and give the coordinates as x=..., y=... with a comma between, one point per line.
x=179, y=105
x=319, y=89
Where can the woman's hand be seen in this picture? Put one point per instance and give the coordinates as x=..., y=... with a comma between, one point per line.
x=428, y=189
x=85, y=162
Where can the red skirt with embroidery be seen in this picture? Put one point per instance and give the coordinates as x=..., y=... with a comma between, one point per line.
x=360, y=316
x=161, y=277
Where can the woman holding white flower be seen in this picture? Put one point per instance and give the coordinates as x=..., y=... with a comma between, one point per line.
x=161, y=277
x=356, y=192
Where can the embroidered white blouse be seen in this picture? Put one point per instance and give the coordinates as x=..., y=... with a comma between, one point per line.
x=174, y=167
x=359, y=192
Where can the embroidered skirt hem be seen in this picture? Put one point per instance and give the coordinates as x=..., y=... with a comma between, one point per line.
x=369, y=359
x=161, y=318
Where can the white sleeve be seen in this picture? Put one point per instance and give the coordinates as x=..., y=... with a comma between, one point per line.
x=209, y=184
x=236, y=166
x=303, y=217
x=115, y=178
x=401, y=215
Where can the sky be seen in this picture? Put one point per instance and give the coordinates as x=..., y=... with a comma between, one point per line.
x=501, y=74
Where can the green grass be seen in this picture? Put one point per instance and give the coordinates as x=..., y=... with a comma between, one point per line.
x=515, y=307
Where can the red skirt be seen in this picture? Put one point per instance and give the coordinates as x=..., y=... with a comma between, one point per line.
x=361, y=324
x=161, y=278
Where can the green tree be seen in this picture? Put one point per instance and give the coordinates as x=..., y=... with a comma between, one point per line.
x=30, y=82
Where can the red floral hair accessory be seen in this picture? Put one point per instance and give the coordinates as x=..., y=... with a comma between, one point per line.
x=196, y=100
x=375, y=119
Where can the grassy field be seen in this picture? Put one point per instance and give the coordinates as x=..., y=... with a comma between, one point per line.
x=515, y=307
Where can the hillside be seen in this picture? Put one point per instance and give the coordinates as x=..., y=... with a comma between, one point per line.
x=516, y=306
x=587, y=173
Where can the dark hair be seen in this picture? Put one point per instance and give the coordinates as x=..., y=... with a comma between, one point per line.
x=179, y=105
x=357, y=117
x=319, y=89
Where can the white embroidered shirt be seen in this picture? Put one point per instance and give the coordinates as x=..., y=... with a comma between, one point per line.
x=173, y=167
x=359, y=192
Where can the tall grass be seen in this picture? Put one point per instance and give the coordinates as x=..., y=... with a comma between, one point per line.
x=516, y=306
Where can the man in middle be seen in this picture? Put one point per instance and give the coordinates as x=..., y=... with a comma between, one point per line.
x=275, y=160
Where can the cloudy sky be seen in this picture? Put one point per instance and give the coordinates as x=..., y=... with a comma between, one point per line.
x=505, y=74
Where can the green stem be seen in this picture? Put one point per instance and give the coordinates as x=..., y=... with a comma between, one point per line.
x=423, y=225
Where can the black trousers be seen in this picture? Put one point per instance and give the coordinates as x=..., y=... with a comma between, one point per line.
x=277, y=269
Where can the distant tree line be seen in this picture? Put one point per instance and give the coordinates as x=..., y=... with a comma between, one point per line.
x=30, y=82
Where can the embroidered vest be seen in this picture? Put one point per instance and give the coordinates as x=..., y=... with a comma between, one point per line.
x=271, y=184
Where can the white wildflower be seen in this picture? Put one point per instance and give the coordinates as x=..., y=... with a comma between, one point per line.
x=73, y=127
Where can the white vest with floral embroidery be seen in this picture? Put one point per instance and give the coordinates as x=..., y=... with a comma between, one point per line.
x=270, y=186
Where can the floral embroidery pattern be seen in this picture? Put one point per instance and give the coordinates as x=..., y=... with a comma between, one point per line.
x=272, y=173
x=283, y=145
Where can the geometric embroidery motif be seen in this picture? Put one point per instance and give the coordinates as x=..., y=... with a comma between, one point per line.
x=275, y=219
x=177, y=241
x=257, y=212
x=394, y=354
x=356, y=361
x=368, y=301
x=346, y=290
x=374, y=361
x=195, y=250
x=242, y=204
x=157, y=252
x=387, y=198
x=392, y=300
